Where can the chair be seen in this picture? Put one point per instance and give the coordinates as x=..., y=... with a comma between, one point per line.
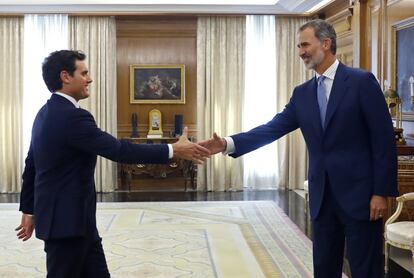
x=306, y=189
x=399, y=234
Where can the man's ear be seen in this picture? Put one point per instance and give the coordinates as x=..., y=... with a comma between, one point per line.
x=327, y=42
x=64, y=76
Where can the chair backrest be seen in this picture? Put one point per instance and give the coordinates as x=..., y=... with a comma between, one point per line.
x=407, y=213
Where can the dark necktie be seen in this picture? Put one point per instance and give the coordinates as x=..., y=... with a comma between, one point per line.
x=322, y=100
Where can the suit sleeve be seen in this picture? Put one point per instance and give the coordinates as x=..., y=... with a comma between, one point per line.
x=283, y=123
x=83, y=134
x=383, y=145
x=27, y=192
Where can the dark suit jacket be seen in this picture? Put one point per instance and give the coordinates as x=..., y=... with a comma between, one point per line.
x=58, y=179
x=356, y=149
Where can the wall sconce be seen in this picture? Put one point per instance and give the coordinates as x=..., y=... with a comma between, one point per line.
x=394, y=105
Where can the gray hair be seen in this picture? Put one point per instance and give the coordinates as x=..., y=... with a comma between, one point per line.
x=323, y=30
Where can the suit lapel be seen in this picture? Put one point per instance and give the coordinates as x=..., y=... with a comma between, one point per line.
x=339, y=88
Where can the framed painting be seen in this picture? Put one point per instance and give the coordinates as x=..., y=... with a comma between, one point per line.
x=157, y=84
x=402, y=67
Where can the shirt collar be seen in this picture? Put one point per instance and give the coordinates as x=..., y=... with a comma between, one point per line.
x=331, y=71
x=68, y=97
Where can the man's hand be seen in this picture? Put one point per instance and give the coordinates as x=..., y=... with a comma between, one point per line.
x=26, y=227
x=215, y=144
x=378, y=207
x=185, y=149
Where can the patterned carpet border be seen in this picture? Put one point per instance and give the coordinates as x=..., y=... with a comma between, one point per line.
x=179, y=239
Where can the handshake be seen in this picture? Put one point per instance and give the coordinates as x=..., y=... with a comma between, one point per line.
x=198, y=152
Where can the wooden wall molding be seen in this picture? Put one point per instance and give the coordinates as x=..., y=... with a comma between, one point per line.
x=393, y=2
x=341, y=17
x=160, y=27
x=333, y=8
x=158, y=34
x=343, y=27
x=361, y=26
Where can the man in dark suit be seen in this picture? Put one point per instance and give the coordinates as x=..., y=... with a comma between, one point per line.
x=58, y=193
x=352, y=154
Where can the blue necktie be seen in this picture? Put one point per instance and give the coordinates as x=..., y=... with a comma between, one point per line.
x=322, y=100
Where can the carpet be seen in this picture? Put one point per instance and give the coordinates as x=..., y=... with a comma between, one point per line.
x=178, y=239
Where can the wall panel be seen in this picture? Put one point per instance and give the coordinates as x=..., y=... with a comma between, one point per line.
x=156, y=40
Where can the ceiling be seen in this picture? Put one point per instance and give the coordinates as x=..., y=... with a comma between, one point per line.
x=163, y=6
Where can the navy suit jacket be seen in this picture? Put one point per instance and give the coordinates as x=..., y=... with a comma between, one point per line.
x=58, y=179
x=356, y=149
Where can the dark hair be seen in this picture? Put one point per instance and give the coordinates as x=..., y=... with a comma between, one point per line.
x=322, y=31
x=55, y=63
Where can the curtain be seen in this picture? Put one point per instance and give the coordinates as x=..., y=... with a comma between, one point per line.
x=261, y=165
x=43, y=34
x=220, y=90
x=290, y=72
x=11, y=103
x=96, y=37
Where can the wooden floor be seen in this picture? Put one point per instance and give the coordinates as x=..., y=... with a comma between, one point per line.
x=289, y=201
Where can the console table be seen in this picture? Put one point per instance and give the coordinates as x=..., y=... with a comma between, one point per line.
x=175, y=167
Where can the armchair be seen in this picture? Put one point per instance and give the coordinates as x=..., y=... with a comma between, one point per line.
x=399, y=234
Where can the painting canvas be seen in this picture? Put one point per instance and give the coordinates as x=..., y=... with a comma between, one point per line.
x=404, y=65
x=157, y=84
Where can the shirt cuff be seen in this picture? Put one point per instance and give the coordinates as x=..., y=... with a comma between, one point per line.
x=230, y=148
x=170, y=151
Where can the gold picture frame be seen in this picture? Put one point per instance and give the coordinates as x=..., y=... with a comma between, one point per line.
x=157, y=84
x=402, y=65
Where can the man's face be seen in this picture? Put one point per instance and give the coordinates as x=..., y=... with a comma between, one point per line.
x=310, y=49
x=77, y=85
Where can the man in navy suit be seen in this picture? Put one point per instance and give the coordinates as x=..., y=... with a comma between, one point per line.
x=58, y=197
x=352, y=154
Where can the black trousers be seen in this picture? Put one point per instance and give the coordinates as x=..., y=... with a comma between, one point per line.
x=80, y=257
x=332, y=229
